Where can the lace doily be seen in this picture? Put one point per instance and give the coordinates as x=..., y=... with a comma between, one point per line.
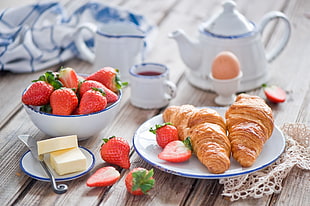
x=269, y=180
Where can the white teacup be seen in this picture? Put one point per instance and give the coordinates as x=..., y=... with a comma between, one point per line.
x=150, y=86
x=116, y=44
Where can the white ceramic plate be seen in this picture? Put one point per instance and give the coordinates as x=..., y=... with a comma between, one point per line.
x=33, y=168
x=145, y=144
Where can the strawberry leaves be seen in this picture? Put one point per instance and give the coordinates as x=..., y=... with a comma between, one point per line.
x=143, y=179
x=51, y=78
x=139, y=181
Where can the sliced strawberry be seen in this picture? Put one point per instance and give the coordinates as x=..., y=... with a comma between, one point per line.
x=90, y=84
x=105, y=176
x=109, y=77
x=92, y=101
x=38, y=93
x=63, y=101
x=165, y=133
x=116, y=150
x=176, y=151
x=274, y=93
x=69, y=78
x=139, y=181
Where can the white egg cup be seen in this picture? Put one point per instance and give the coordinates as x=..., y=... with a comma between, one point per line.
x=226, y=89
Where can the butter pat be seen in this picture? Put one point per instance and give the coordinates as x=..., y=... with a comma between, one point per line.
x=57, y=143
x=68, y=161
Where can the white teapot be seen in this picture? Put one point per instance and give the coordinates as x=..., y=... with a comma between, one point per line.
x=229, y=30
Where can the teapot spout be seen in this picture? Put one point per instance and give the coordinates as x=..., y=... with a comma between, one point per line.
x=189, y=50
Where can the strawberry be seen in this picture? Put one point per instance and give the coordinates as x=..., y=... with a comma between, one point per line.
x=115, y=150
x=89, y=84
x=274, y=93
x=165, y=133
x=92, y=101
x=69, y=78
x=177, y=151
x=105, y=176
x=139, y=181
x=109, y=77
x=38, y=93
x=63, y=101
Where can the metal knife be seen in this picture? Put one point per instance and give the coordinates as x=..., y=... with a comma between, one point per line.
x=31, y=143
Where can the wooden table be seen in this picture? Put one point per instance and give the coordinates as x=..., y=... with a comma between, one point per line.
x=290, y=71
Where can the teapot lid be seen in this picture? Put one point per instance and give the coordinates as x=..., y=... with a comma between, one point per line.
x=228, y=22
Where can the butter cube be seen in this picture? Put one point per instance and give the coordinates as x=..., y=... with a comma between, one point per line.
x=68, y=161
x=57, y=143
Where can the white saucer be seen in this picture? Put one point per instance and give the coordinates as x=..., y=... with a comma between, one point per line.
x=33, y=168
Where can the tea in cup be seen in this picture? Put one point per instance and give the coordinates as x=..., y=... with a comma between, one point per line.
x=150, y=86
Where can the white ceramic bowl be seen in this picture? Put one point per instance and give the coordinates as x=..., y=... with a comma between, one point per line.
x=84, y=126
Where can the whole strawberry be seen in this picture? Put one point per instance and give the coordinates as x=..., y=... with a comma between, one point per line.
x=63, y=101
x=92, y=101
x=139, y=181
x=69, y=78
x=115, y=150
x=109, y=77
x=165, y=133
x=38, y=93
x=90, y=84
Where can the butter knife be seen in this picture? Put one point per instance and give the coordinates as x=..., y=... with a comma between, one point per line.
x=31, y=143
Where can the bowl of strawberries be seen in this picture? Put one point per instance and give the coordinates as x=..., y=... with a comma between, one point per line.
x=66, y=103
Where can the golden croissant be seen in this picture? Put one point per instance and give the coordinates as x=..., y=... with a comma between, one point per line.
x=207, y=131
x=249, y=122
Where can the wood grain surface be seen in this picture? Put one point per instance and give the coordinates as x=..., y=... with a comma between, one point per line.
x=290, y=71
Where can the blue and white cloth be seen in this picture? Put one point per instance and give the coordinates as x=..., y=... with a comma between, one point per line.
x=37, y=36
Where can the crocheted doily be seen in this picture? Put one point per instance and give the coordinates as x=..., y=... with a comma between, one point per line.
x=269, y=180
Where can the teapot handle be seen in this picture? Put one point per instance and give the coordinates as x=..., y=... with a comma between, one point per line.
x=273, y=53
x=85, y=52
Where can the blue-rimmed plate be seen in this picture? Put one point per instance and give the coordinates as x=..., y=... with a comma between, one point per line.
x=145, y=145
x=33, y=168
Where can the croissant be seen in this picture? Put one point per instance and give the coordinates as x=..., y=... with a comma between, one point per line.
x=250, y=124
x=207, y=131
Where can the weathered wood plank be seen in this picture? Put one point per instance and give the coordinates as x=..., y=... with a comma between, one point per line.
x=171, y=190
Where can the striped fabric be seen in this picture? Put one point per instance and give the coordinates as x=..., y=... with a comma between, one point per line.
x=37, y=36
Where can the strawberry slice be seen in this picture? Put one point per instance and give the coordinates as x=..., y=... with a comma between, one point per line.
x=105, y=176
x=69, y=78
x=274, y=93
x=177, y=151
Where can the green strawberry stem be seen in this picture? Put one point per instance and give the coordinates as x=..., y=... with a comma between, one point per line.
x=119, y=83
x=187, y=143
x=142, y=179
x=50, y=78
x=99, y=90
x=157, y=126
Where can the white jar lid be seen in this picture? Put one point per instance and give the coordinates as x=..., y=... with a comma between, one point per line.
x=228, y=22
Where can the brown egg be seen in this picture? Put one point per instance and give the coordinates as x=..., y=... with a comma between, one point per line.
x=225, y=66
